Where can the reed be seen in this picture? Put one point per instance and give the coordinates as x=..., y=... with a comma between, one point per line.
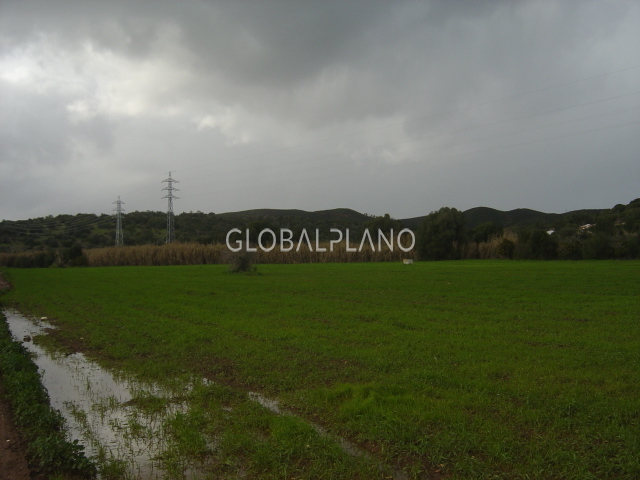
x=199, y=254
x=489, y=250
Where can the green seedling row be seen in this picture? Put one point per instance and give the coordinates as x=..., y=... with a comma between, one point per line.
x=469, y=369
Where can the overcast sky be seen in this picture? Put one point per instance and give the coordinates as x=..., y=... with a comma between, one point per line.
x=396, y=107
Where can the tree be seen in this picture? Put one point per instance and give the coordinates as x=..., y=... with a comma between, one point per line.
x=537, y=244
x=440, y=234
x=605, y=223
x=543, y=246
x=385, y=224
x=73, y=256
x=597, y=247
x=484, y=231
x=258, y=226
x=506, y=248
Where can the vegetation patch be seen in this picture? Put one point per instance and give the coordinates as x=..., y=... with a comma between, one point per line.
x=42, y=426
x=242, y=263
x=472, y=369
x=478, y=233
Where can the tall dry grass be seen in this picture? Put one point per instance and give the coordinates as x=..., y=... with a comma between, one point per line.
x=168, y=254
x=200, y=254
x=197, y=254
x=488, y=250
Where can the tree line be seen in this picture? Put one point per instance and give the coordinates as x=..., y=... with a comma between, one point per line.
x=441, y=235
x=610, y=234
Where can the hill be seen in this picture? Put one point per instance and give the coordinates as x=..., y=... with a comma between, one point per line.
x=149, y=227
x=517, y=218
x=340, y=215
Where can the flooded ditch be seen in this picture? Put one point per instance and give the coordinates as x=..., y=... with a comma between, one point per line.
x=101, y=410
x=109, y=416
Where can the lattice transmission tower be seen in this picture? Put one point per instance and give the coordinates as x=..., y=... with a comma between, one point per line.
x=119, y=210
x=170, y=196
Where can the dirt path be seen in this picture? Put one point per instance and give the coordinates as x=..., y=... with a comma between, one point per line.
x=13, y=451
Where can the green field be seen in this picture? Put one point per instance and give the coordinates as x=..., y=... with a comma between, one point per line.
x=471, y=369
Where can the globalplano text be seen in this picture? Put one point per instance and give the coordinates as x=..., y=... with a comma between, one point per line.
x=268, y=240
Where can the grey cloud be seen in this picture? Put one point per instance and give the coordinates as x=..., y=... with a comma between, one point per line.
x=38, y=130
x=454, y=103
x=33, y=130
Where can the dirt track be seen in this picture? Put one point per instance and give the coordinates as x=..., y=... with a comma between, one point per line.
x=13, y=451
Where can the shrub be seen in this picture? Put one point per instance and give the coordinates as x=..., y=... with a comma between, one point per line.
x=242, y=263
x=597, y=247
x=74, y=256
x=506, y=248
x=570, y=249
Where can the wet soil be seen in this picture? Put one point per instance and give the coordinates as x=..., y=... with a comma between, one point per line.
x=13, y=451
x=13, y=448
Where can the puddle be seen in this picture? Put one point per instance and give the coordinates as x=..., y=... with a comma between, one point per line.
x=100, y=409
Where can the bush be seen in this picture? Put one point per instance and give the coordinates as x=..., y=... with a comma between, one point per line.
x=242, y=263
x=537, y=244
x=44, y=259
x=632, y=246
x=570, y=249
x=506, y=248
x=597, y=247
x=72, y=254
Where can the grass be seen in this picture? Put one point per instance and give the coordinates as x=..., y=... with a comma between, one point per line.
x=469, y=369
x=42, y=426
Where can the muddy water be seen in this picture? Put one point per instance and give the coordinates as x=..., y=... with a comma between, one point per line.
x=95, y=405
x=101, y=414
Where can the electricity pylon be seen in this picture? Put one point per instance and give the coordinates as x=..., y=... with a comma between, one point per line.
x=170, y=196
x=119, y=234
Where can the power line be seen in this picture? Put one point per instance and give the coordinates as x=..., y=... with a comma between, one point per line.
x=29, y=227
x=119, y=233
x=170, y=196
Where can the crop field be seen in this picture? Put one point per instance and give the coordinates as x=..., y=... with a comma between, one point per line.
x=462, y=369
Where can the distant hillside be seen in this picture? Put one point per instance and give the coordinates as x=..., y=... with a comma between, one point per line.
x=341, y=215
x=520, y=217
x=141, y=228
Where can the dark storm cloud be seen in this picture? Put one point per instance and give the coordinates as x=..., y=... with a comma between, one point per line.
x=319, y=104
x=33, y=130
